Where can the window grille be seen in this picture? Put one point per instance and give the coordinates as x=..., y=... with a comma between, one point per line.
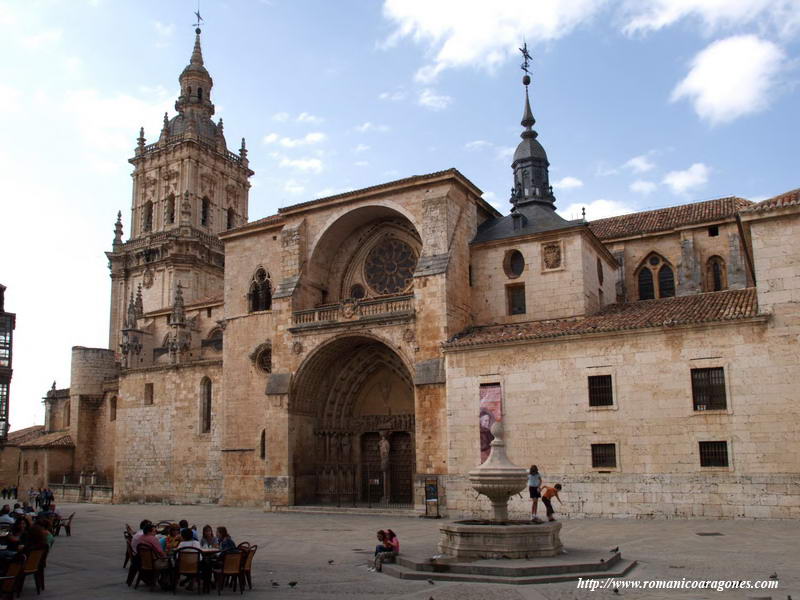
x=600, y=390
x=666, y=282
x=148, y=393
x=604, y=456
x=708, y=389
x=713, y=454
x=646, y=289
x=516, y=299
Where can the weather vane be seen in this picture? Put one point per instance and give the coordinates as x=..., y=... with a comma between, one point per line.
x=197, y=14
x=526, y=57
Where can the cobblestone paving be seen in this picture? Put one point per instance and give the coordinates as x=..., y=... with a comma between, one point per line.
x=297, y=547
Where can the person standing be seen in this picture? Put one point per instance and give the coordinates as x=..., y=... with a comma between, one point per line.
x=534, y=489
x=548, y=493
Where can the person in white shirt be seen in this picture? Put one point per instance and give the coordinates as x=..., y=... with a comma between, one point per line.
x=5, y=516
x=187, y=540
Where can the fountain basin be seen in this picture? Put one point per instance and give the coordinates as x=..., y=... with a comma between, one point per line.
x=475, y=539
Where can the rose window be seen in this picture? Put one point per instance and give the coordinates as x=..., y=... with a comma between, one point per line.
x=390, y=266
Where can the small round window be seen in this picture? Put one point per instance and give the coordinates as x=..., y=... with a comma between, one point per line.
x=514, y=263
x=357, y=291
x=654, y=260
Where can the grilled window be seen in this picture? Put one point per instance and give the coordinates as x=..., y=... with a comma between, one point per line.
x=205, y=405
x=708, y=389
x=715, y=274
x=600, y=392
x=260, y=294
x=148, y=393
x=646, y=289
x=514, y=264
x=604, y=456
x=656, y=278
x=516, y=299
x=713, y=454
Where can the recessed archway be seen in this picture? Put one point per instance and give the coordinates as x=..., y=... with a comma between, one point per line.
x=352, y=425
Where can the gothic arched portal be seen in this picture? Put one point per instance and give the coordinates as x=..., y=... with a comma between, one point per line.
x=352, y=413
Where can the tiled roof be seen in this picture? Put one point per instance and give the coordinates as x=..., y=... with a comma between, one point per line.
x=20, y=436
x=664, y=219
x=711, y=307
x=57, y=439
x=791, y=198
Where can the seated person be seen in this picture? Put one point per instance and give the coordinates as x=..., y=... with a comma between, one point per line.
x=50, y=511
x=208, y=540
x=18, y=509
x=184, y=524
x=173, y=538
x=5, y=515
x=187, y=540
x=148, y=538
x=39, y=535
x=138, y=535
x=226, y=543
x=27, y=508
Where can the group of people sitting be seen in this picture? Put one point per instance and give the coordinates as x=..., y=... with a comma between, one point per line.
x=387, y=549
x=175, y=537
x=26, y=530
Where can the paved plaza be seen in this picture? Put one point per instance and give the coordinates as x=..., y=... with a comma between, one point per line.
x=298, y=547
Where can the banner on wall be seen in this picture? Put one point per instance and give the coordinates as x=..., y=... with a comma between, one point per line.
x=491, y=412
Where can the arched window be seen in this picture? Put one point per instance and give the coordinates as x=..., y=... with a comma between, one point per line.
x=231, y=218
x=147, y=218
x=25, y=468
x=260, y=293
x=112, y=408
x=656, y=278
x=205, y=211
x=716, y=276
x=205, y=405
x=66, y=414
x=200, y=94
x=36, y=467
x=263, y=444
x=170, y=209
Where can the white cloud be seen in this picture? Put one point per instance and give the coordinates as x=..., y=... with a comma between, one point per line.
x=682, y=181
x=306, y=165
x=369, y=126
x=361, y=163
x=305, y=117
x=281, y=117
x=639, y=164
x=293, y=187
x=642, y=187
x=287, y=142
x=360, y=148
x=477, y=145
x=598, y=209
x=568, y=183
x=43, y=38
x=651, y=15
x=731, y=78
x=395, y=96
x=504, y=152
x=430, y=99
x=164, y=33
x=479, y=33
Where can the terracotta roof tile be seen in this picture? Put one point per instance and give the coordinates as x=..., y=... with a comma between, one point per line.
x=711, y=307
x=57, y=439
x=665, y=219
x=21, y=436
x=791, y=198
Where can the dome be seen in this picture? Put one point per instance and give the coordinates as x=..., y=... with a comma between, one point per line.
x=204, y=126
x=529, y=148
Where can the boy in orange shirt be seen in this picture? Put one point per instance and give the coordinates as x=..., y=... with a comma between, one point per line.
x=547, y=494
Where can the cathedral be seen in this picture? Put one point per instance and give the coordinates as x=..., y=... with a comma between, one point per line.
x=355, y=350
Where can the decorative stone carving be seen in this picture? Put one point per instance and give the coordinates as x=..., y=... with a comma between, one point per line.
x=551, y=255
x=147, y=278
x=408, y=335
x=297, y=348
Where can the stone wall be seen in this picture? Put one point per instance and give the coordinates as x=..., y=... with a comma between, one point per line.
x=161, y=453
x=548, y=420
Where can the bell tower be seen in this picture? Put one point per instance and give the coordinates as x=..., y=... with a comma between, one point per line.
x=187, y=188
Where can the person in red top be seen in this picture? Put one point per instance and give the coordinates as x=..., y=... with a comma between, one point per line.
x=547, y=494
x=149, y=539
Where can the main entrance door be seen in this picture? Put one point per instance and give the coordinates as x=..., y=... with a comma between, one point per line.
x=354, y=402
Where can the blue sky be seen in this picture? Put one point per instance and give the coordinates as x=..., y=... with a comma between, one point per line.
x=639, y=104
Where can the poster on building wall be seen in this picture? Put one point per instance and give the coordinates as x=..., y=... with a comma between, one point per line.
x=491, y=412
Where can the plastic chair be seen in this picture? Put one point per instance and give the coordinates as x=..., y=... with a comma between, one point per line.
x=67, y=525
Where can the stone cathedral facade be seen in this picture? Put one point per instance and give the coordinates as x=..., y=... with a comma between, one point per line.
x=648, y=362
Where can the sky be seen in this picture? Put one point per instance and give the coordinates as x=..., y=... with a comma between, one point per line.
x=639, y=104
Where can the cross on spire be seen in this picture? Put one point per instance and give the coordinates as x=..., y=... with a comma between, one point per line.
x=199, y=18
x=526, y=58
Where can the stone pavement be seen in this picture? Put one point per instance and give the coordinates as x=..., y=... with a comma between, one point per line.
x=297, y=547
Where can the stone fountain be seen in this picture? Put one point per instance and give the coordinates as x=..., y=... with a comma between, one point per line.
x=498, y=479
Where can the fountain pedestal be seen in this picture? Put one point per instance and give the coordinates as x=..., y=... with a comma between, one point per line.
x=498, y=479
x=475, y=540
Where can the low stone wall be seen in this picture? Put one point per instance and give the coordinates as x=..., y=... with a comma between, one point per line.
x=620, y=495
x=69, y=492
